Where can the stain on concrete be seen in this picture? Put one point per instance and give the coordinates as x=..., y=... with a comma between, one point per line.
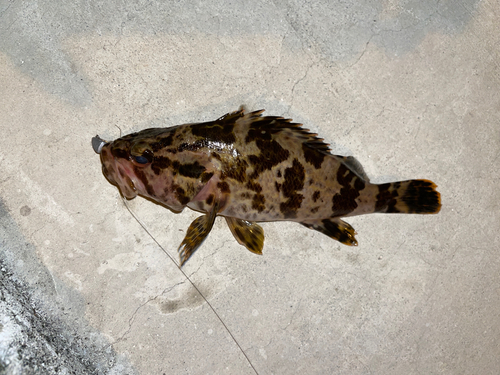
x=25, y=211
x=184, y=296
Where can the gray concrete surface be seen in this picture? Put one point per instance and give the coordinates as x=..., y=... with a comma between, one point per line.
x=411, y=88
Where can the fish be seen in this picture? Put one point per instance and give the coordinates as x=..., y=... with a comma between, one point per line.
x=250, y=168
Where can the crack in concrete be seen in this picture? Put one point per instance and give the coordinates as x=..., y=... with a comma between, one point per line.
x=295, y=85
x=211, y=254
x=134, y=314
x=6, y=9
x=294, y=312
x=259, y=348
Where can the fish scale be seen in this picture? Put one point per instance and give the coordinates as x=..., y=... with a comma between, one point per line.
x=252, y=168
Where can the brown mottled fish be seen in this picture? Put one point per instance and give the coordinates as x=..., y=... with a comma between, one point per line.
x=249, y=168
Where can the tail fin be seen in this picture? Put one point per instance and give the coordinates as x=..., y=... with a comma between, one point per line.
x=408, y=197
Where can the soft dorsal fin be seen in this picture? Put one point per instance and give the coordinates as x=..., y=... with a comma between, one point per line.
x=353, y=164
x=275, y=124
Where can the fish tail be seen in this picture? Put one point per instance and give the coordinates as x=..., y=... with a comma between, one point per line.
x=408, y=197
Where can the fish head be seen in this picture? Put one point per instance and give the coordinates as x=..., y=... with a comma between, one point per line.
x=124, y=162
x=152, y=164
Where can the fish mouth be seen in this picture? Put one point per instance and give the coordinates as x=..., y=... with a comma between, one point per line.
x=128, y=188
x=115, y=170
x=123, y=181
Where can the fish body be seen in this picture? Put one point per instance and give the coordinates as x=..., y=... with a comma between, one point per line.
x=251, y=168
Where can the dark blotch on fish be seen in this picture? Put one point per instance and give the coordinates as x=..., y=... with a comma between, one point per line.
x=193, y=170
x=210, y=199
x=223, y=186
x=271, y=154
x=316, y=195
x=313, y=156
x=258, y=202
x=143, y=178
x=181, y=195
x=160, y=163
x=216, y=132
x=254, y=186
x=294, y=181
x=345, y=201
x=205, y=176
x=162, y=142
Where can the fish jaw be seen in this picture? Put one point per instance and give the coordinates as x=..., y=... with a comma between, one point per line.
x=119, y=172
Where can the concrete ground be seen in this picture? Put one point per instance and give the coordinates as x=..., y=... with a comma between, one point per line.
x=411, y=88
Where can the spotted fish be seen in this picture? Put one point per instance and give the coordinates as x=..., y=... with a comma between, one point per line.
x=251, y=168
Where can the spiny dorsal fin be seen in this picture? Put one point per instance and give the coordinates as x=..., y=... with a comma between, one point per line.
x=232, y=116
x=274, y=124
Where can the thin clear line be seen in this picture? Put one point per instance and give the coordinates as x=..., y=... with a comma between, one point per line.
x=188, y=279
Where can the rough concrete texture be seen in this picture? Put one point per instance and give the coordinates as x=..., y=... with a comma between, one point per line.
x=411, y=88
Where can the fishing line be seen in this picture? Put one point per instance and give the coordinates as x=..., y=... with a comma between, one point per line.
x=188, y=279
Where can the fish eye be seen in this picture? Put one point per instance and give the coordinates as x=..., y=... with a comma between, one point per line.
x=141, y=154
x=141, y=159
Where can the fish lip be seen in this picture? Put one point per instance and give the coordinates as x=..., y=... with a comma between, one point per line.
x=115, y=168
x=97, y=144
x=126, y=182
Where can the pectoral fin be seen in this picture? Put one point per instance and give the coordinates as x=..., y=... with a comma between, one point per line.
x=196, y=234
x=336, y=229
x=248, y=234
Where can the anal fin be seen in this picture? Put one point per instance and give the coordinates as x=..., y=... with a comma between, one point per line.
x=247, y=233
x=335, y=228
x=196, y=234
